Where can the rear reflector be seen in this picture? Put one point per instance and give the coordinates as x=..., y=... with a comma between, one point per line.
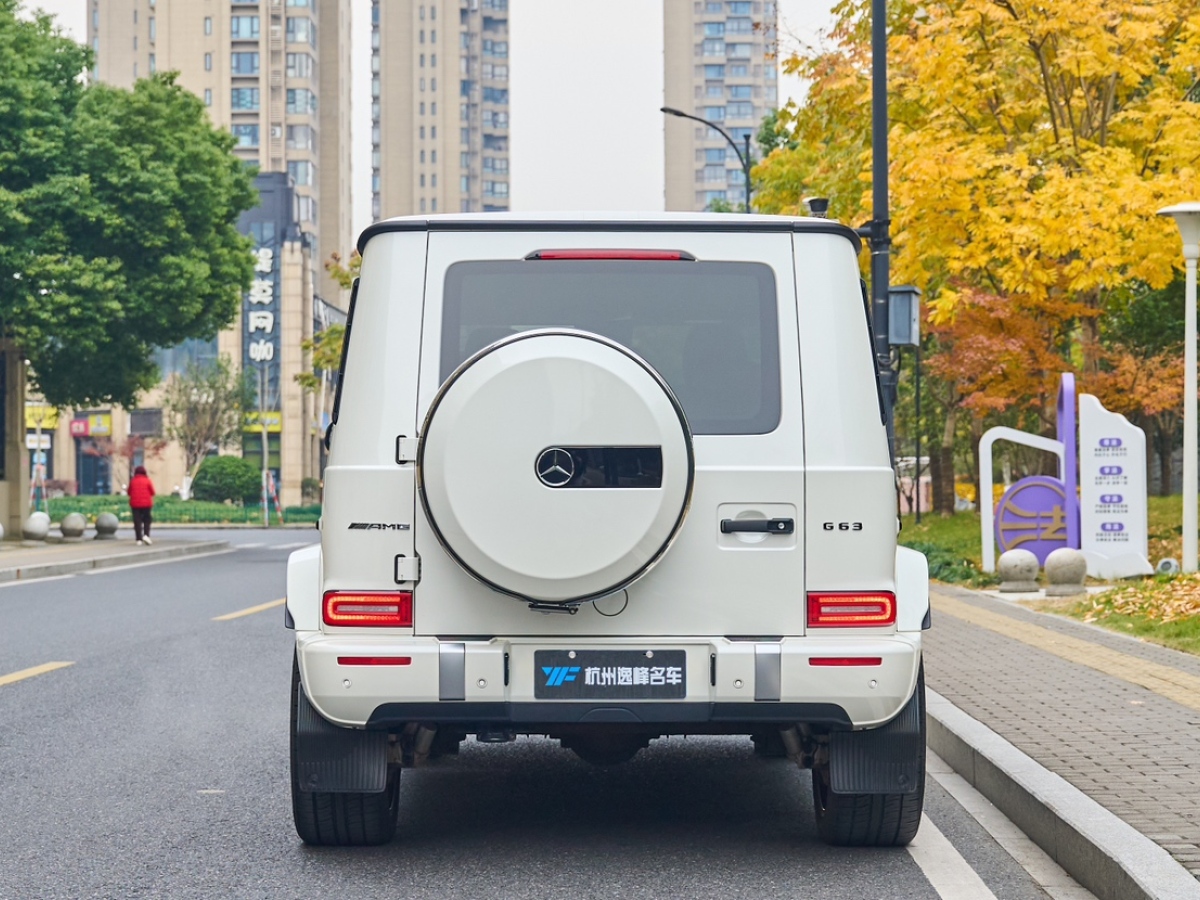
x=387, y=609
x=611, y=254
x=846, y=661
x=374, y=660
x=851, y=610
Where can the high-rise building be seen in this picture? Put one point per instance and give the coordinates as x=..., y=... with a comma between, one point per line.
x=276, y=73
x=439, y=106
x=720, y=65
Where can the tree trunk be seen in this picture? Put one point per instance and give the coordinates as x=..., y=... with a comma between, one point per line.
x=945, y=458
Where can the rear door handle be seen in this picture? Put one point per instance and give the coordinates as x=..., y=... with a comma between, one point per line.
x=770, y=526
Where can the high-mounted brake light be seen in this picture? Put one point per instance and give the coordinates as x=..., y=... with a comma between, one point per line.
x=387, y=609
x=851, y=610
x=374, y=660
x=612, y=254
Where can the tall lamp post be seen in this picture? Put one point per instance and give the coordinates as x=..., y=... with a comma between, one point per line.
x=1187, y=217
x=743, y=159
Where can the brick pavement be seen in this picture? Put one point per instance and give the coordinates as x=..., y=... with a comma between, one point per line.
x=1118, y=718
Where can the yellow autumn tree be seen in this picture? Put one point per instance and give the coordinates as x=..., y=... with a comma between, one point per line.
x=1031, y=143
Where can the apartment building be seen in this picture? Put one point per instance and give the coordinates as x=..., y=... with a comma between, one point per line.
x=439, y=106
x=719, y=65
x=276, y=73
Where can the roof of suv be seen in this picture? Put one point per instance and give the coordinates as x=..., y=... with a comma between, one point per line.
x=609, y=221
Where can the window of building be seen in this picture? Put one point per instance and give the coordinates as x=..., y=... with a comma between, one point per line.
x=299, y=3
x=495, y=95
x=207, y=62
x=422, y=204
x=433, y=108
x=422, y=131
x=244, y=98
x=433, y=13
x=244, y=63
x=433, y=180
x=301, y=137
x=714, y=90
x=738, y=51
x=301, y=30
x=433, y=156
x=740, y=91
x=421, y=37
x=464, y=181
x=714, y=29
x=465, y=136
x=208, y=24
x=153, y=29
x=422, y=84
x=421, y=14
x=421, y=181
x=433, y=60
x=433, y=36
x=713, y=47
x=740, y=110
x=739, y=70
x=301, y=101
x=208, y=96
x=422, y=108
x=247, y=135
x=433, y=84
x=433, y=133
x=299, y=65
x=739, y=7
x=244, y=28
x=714, y=113
x=714, y=71
x=146, y=422
x=433, y=204
x=135, y=42
x=306, y=209
x=302, y=172
x=153, y=64
x=715, y=155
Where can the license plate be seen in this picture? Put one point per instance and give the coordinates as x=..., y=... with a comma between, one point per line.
x=610, y=674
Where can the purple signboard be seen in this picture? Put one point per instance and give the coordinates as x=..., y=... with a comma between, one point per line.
x=1033, y=515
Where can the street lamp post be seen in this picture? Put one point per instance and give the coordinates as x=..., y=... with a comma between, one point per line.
x=744, y=159
x=1187, y=217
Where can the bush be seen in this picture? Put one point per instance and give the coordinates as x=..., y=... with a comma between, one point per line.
x=228, y=478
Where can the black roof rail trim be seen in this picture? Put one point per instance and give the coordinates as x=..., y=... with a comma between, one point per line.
x=818, y=226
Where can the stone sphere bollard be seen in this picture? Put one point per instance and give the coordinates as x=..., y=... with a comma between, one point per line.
x=1065, y=570
x=106, y=527
x=1168, y=566
x=1018, y=572
x=36, y=527
x=72, y=526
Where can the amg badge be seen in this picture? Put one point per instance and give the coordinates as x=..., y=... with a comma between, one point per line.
x=379, y=526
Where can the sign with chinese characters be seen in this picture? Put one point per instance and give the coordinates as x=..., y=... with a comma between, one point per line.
x=92, y=425
x=610, y=674
x=254, y=421
x=261, y=327
x=1032, y=515
x=1112, y=481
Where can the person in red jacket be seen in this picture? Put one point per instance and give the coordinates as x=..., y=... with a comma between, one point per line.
x=141, y=501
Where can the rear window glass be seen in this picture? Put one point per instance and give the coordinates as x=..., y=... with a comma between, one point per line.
x=709, y=328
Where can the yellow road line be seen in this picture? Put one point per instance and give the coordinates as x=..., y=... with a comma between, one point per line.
x=1163, y=680
x=251, y=611
x=31, y=672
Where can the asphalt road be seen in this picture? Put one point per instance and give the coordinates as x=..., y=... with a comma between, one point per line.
x=155, y=765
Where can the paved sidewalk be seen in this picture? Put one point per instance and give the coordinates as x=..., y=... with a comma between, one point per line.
x=22, y=561
x=1117, y=718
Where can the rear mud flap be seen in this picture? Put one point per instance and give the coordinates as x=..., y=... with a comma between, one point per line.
x=332, y=759
x=886, y=760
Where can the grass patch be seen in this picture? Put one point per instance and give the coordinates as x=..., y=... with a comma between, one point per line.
x=174, y=510
x=1161, y=609
x=952, y=546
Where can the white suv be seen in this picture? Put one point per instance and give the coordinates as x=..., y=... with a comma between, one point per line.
x=608, y=479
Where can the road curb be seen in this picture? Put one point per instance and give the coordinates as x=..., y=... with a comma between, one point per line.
x=50, y=570
x=1103, y=853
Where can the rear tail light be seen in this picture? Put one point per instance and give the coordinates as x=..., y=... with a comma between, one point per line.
x=374, y=660
x=611, y=254
x=387, y=609
x=851, y=610
x=846, y=661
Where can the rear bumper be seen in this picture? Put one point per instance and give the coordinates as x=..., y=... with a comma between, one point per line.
x=719, y=717
x=491, y=683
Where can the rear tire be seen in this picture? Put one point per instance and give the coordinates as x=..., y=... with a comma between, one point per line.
x=871, y=820
x=326, y=819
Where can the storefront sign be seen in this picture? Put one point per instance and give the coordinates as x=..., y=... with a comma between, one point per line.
x=261, y=327
x=1112, y=480
x=254, y=422
x=92, y=425
x=38, y=415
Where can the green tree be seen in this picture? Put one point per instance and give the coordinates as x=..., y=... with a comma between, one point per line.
x=118, y=213
x=231, y=478
x=205, y=408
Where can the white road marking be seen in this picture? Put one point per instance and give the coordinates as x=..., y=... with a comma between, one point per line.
x=295, y=546
x=19, y=581
x=945, y=869
x=153, y=562
x=250, y=546
x=210, y=791
x=1048, y=874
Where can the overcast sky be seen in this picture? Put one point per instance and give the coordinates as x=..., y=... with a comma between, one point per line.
x=586, y=85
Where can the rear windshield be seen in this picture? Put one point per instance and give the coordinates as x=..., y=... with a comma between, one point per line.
x=709, y=328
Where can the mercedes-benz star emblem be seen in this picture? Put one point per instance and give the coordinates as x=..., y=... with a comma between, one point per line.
x=555, y=467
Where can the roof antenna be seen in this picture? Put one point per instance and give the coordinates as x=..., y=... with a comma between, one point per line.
x=818, y=207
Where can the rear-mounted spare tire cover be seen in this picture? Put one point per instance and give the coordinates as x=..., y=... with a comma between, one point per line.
x=555, y=466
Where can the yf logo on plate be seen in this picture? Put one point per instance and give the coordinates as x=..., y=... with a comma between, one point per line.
x=557, y=675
